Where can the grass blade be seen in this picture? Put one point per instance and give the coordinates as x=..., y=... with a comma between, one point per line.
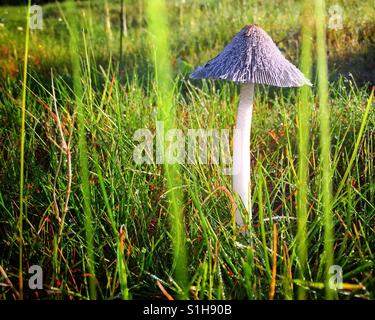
x=304, y=114
x=82, y=146
x=325, y=139
x=159, y=38
x=22, y=153
x=357, y=143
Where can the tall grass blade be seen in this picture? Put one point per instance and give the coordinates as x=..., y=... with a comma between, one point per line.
x=325, y=140
x=159, y=38
x=304, y=114
x=82, y=144
x=22, y=153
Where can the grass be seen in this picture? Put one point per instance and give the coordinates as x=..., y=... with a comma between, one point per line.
x=304, y=114
x=102, y=226
x=159, y=35
x=82, y=143
x=22, y=156
x=325, y=142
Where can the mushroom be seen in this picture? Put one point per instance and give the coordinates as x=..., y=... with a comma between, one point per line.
x=250, y=58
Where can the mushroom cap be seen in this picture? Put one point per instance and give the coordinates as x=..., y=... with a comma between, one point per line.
x=252, y=57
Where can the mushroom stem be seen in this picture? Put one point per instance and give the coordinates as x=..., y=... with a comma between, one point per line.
x=241, y=149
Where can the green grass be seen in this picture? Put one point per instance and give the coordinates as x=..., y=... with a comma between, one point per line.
x=324, y=141
x=82, y=143
x=22, y=155
x=304, y=114
x=160, y=52
x=102, y=226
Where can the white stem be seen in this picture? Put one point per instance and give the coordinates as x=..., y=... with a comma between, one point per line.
x=241, y=149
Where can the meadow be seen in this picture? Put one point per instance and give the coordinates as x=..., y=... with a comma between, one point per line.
x=73, y=200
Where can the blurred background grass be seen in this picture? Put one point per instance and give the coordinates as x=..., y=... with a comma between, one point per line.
x=200, y=29
x=130, y=204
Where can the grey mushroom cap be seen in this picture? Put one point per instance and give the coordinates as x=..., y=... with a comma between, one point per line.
x=252, y=57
